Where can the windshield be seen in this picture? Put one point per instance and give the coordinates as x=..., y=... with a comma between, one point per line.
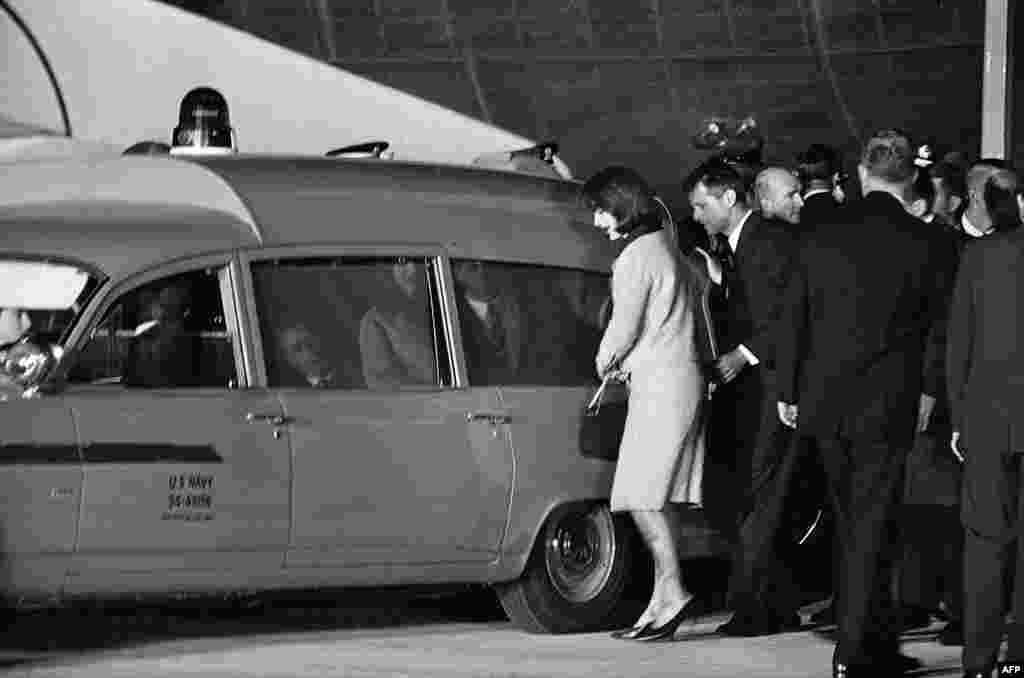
x=41, y=299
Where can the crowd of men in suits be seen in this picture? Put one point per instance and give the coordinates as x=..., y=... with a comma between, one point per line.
x=872, y=341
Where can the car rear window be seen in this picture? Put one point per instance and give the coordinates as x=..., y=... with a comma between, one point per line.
x=52, y=294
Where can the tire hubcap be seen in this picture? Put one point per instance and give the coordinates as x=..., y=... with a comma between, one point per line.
x=579, y=551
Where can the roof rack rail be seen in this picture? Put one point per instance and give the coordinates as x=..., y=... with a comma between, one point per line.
x=538, y=160
x=369, y=149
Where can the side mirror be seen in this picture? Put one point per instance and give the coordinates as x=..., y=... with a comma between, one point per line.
x=24, y=364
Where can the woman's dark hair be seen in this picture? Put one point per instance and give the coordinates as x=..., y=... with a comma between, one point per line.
x=624, y=194
x=1001, y=191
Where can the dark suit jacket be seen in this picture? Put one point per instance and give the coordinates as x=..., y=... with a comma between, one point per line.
x=487, y=363
x=163, y=356
x=985, y=368
x=764, y=256
x=820, y=208
x=861, y=304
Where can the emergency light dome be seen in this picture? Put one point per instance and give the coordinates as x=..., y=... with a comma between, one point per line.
x=204, y=127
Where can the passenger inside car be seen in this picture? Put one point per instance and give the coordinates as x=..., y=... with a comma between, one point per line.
x=303, y=353
x=162, y=353
x=492, y=323
x=395, y=336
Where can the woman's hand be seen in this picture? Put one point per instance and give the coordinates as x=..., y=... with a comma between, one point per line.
x=788, y=414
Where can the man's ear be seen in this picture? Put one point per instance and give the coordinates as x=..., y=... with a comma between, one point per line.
x=729, y=198
x=918, y=208
x=954, y=202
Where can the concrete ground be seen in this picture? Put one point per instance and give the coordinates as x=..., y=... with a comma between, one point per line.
x=429, y=638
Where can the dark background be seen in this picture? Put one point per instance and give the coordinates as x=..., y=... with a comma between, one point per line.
x=631, y=81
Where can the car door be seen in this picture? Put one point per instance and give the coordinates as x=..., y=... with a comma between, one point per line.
x=40, y=491
x=186, y=470
x=392, y=465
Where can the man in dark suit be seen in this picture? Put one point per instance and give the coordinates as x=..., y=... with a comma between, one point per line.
x=930, y=568
x=765, y=597
x=819, y=169
x=491, y=324
x=163, y=353
x=756, y=254
x=862, y=302
x=985, y=371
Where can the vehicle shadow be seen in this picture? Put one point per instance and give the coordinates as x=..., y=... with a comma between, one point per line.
x=40, y=635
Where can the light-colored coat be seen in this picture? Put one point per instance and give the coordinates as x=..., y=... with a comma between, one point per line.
x=651, y=332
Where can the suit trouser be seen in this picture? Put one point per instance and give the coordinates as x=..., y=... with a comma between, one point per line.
x=985, y=581
x=864, y=483
x=761, y=582
x=736, y=417
x=932, y=564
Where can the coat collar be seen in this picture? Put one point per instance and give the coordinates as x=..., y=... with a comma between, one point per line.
x=747, y=225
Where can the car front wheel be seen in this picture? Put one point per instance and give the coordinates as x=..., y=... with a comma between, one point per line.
x=584, y=574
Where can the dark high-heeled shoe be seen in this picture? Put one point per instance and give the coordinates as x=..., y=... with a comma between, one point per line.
x=631, y=632
x=691, y=610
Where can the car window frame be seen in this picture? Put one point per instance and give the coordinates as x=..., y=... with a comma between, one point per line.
x=431, y=252
x=111, y=293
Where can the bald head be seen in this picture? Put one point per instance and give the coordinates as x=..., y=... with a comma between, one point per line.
x=778, y=193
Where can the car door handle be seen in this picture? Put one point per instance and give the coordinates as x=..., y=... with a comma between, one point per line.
x=272, y=419
x=490, y=417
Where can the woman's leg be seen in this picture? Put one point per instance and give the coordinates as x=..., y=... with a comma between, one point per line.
x=658, y=531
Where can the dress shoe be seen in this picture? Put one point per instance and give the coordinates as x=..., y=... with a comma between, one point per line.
x=691, y=610
x=895, y=665
x=629, y=633
x=914, y=618
x=901, y=663
x=765, y=624
x=826, y=616
x=952, y=634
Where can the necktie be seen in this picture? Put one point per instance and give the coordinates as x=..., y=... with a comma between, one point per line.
x=723, y=252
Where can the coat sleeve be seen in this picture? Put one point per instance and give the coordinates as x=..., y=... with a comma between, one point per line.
x=960, y=336
x=631, y=286
x=381, y=368
x=935, y=350
x=772, y=267
x=792, y=328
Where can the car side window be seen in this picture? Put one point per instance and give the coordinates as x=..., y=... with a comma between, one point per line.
x=168, y=333
x=528, y=324
x=350, y=323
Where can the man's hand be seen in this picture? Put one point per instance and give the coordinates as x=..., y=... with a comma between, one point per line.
x=953, y=446
x=924, y=412
x=788, y=414
x=730, y=364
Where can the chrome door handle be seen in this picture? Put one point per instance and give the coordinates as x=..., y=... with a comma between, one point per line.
x=490, y=417
x=272, y=419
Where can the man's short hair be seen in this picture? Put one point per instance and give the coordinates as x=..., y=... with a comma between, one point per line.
x=889, y=156
x=718, y=176
x=980, y=171
x=1000, y=193
x=818, y=163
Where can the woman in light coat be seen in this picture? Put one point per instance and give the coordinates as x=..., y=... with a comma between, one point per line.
x=650, y=339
